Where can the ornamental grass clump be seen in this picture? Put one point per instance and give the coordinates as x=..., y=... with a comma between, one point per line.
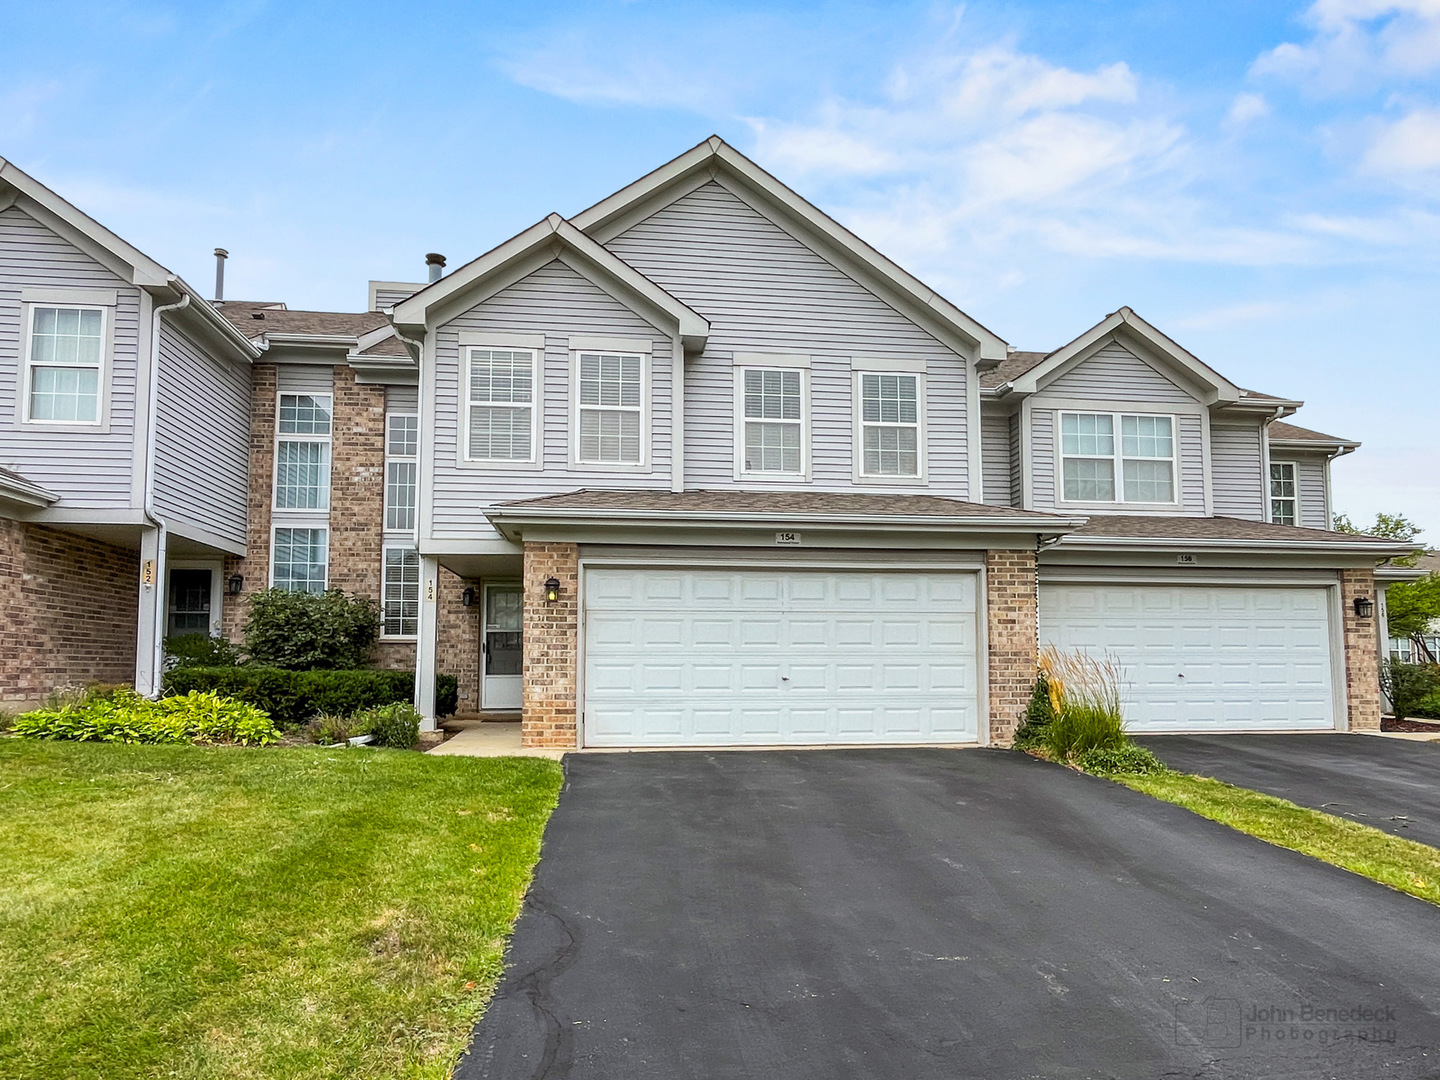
x=1084, y=703
x=124, y=716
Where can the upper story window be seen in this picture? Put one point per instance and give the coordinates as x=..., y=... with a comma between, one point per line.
x=302, y=452
x=65, y=360
x=890, y=425
x=773, y=420
x=500, y=403
x=402, y=450
x=1138, y=466
x=611, y=408
x=1282, y=492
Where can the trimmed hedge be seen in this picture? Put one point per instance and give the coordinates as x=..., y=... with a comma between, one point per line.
x=293, y=697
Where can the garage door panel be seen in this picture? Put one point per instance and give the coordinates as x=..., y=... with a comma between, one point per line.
x=760, y=657
x=1197, y=658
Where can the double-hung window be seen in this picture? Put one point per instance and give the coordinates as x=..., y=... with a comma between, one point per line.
x=1282, y=492
x=65, y=361
x=402, y=449
x=302, y=453
x=400, y=592
x=611, y=409
x=299, y=559
x=500, y=405
x=772, y=421
x=1117, y=457
x=889, y=425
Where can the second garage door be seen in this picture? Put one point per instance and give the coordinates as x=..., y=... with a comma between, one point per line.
x=736, y=657
x=1204, y=659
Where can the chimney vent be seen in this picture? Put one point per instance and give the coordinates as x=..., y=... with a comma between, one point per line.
x=220, y=256
x=436, y=263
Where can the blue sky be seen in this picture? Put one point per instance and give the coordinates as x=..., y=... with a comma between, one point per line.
x=1261, y=180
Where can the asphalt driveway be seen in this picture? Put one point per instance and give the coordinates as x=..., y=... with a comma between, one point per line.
x=1392, y=784
x=926, y=914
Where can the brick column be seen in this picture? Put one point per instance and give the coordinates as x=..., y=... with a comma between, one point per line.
x=457, y=650
x=1013, y=622
x=255, y=566
x=551, y=633
x=1362, y=664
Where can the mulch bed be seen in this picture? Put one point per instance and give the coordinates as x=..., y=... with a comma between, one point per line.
x=1391, y=723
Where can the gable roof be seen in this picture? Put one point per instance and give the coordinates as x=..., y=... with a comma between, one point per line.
x=1283, y=434
x=546, y=240
x=1161, y=530
x=129, y=263
x=1030, y=375
x=716, y=159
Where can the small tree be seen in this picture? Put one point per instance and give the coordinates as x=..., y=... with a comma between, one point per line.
x=308, y=631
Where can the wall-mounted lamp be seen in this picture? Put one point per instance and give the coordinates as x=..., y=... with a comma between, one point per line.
x=235, y=584
x=1364, y=607
x=468, y=598
x=552, y=590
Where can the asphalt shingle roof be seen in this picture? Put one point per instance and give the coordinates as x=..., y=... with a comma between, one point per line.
x=1176, y=527
x=777, y=502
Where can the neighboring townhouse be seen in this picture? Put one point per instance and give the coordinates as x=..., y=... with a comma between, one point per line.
x=699, y=467
x=124, y=446
x=1425, y=647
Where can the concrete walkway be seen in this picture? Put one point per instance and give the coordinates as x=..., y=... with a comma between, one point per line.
x=489, y=738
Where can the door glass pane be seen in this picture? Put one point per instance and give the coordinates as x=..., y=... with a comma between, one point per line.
x=189, y=602
x=503, y=609
x=503, y=617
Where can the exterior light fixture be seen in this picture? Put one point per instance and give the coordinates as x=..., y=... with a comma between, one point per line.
x=235, y=584
x=468, y=598
x=552, y=590
x=1364, y=607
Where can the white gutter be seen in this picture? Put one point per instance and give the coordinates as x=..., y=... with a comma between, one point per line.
x=1386, y=548
x=152, y=411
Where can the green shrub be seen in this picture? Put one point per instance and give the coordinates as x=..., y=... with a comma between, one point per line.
x=293, y=697
x=1079, y=728
x=200, y=650
x=396, y=726
x=125, y=716
x=1128, y=760
x=1411, y=688
x=1427, y=708
x=309, y=631
x=327, y=729
x=447, y=695
x=1038, y=715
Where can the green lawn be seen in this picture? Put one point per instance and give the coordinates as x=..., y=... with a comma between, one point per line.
x=1401, y=864
x=224, y=912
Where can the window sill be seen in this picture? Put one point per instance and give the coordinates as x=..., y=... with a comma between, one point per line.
x=498, y=464
x=627, y=467
x=892, y=481
x=774, y=478
x=66, y=427
x=399, y=639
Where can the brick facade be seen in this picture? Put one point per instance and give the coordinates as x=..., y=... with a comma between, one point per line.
x=1362, y=660
x=254, y=567
x=1012, y=621
x=68, y=611
x=551, y=646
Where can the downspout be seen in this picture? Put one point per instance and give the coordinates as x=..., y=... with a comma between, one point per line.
x=152, y=412
x=677, y=413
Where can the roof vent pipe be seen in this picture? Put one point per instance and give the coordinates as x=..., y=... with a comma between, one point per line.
x=436, y=263
x=220, y=256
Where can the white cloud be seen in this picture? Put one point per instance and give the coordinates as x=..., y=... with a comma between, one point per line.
x=1408, y=146
x=1359, y=44
x=1247, y=108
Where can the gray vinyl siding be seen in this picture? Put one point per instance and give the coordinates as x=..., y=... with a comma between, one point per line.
x=557, y=302
x=88, y=469
x=765, y=291
x=305, y=379
x=1114, y=373
x=390, y=297
x=1310, y=493
x=1017, y=464
x=995, y=457
x=1239, y=486
x=1189, y=464
x=202, y=437
x=402, y=399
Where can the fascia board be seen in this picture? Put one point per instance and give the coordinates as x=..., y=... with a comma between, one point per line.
x=1316, y=446
x=202, y=314
x=1225, y=390
x=312, y=341
x=1384, y=548
x=1391, y=574
x=509, y=519
x=1029, y=381
x=26, y=493
x=143, y=269
x=594, y=220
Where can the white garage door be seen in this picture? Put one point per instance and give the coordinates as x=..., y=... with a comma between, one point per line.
x=730, y=657
x=1204, y=659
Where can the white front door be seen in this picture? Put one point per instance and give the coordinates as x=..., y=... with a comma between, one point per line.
x=760, y=657
x=500, y=648
x=1198, y=658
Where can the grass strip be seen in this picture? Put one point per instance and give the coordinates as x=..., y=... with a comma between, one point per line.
x=207, y=912
x=1404, y=865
